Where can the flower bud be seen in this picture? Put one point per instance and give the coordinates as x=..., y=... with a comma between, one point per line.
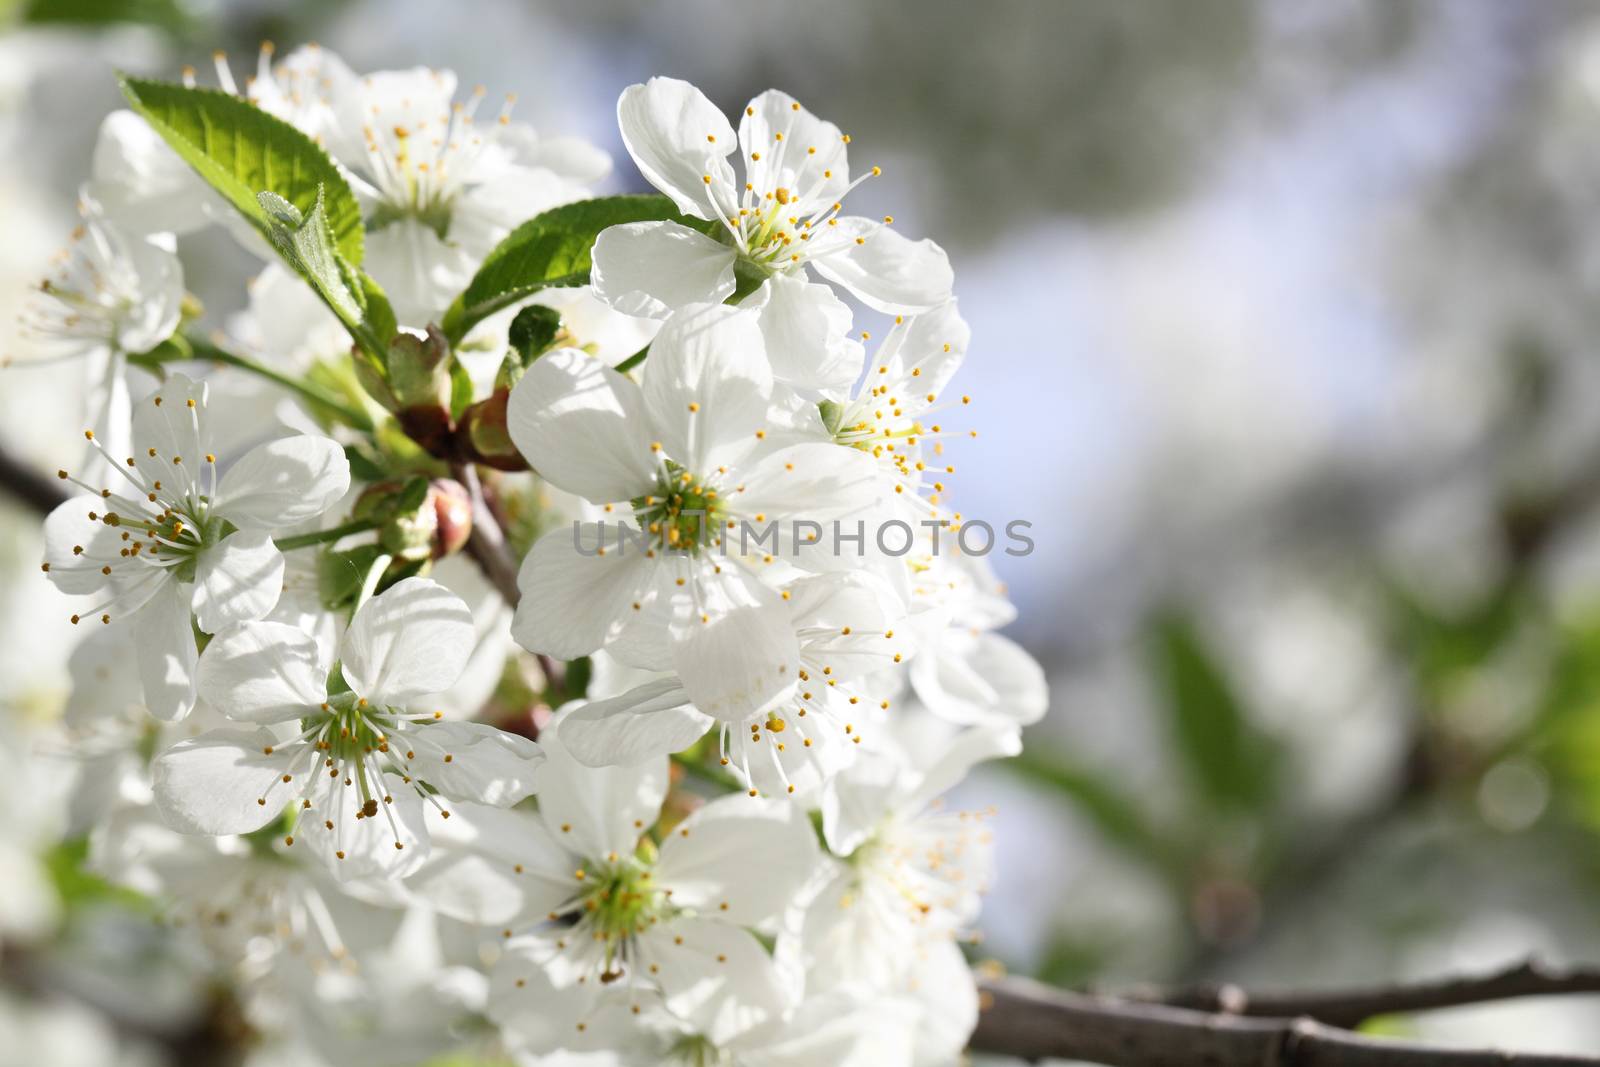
x=452, y=509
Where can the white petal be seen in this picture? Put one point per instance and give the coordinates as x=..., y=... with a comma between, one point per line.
x=934, y=344
x=582, y=426
x=237, y=580
x=654, y=719
x=159, y=301
x=960, y=754
x=408, y=642
x=886, y=271
x=943, y=982
x=490, y=866
x=141, y=182
x=856, y=803
x=283, y=483
x=739, y=658
x=849, y=1026
x=535, y=1002
x=483, y=214
x=104, y=670
x=167, y=653
x=165, y=422
x=485, y=765
x=678, y=137
x=715, y=975
x=572, y=158
x=653, y=268
x=68, y=527
x=216, y=783
x=644, y=639
x=368, y=844
x=739, y=859
x=707, y=385
x=818, y=482
x=573, y=600
x=980, y=678
x=784, y=134
x=420, y=272
x=597, y=811
x=263, y=672
x=806, y=331
x=864, y=603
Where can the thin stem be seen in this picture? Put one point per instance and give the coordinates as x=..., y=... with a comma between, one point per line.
x=322, y=537
x=202, y=349
x=370, y=584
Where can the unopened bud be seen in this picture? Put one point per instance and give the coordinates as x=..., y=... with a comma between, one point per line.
x=452, y=509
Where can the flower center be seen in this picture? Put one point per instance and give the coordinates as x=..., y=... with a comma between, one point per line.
x=419, y=169
x=693, y=1050
x=684, y=514
x=161, y=524
x=621, y=901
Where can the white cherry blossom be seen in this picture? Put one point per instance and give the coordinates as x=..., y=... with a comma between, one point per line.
x=356, y=762
x=846, y=629
x=968, y=673
x=632, y=925
x=440, y=188
x=782, y=217
x=675, y=466
x=906, y=884
x=109, y=294
x=170, y=540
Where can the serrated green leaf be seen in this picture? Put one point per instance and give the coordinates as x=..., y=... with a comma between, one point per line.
x=306, y=243
x=242, y=151
x=1231, y=762
x=550, y=251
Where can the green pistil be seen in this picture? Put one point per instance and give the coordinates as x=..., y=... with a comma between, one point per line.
x=434, y=214
x=692, y=1050
x=684, y=515
x=623, y=901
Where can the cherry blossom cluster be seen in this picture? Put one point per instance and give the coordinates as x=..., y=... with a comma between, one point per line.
x=673, y=793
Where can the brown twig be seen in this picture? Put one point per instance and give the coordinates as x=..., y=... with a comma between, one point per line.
x=1025, y=1019
x=487, y=545
x=1351, y=1007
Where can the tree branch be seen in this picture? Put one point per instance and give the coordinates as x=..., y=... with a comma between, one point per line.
x=487, y=543
x=1351, y=1007
x=1025, y=1019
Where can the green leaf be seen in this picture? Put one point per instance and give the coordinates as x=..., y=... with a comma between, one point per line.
x=166, y=14
x=340, y=574
x=1117, y=816
x=550, y=251
x=306, y=243
x=533, y=331
x=65, y=864
x=1230, y=761
x=242, y=151
x=460, y=388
